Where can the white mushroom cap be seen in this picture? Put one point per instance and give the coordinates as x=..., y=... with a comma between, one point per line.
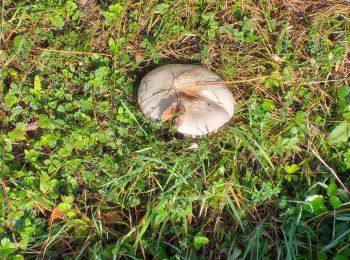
x=203, y=100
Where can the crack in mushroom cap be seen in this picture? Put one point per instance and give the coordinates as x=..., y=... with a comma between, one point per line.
x=204, y=100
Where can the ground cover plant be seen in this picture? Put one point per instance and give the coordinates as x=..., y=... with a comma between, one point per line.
x=84, y=174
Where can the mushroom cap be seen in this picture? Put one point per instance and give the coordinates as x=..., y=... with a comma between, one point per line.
x=203, y=100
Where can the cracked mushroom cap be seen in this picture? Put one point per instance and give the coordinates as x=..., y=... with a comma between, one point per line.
x=194, y=96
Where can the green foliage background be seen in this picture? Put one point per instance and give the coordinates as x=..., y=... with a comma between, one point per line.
x=84, y=174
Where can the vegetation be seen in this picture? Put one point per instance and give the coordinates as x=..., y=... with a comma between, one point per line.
x=84, y=174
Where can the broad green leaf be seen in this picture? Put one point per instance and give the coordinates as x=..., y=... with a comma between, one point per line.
x=315, y=204
x=291, y=168
x=15, y=112
x=31, y=155
x=10, y=100
x=332, y=188
x=19, y=41
x=65, y=151
x=199, y=241
x=6, y=248
x=18, y=133
x=341, y=257
x=46, y=183
x=111, y=42
x=70, y=6
x=268, y=105
x=57, y=21
x=335, y=201
x=37, y=83
x=16, y=257
x=321, y=255
x=273, y=80
x=339, y=134
x=343, y=92
x=44, y=121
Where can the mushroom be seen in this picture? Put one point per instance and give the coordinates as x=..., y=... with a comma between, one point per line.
x=196, y=98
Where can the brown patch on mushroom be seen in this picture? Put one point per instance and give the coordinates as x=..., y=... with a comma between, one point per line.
x=169, y=112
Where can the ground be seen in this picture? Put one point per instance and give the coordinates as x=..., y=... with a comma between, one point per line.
x=84, y=174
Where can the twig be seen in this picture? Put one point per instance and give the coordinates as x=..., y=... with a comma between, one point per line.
x=331, y=170
x=2, y=138
x=2, y=21
x=71, y=52
x=324, y=81
x=2, y=182
x=3, y=185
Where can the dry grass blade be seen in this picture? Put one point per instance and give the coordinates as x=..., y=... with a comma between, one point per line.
x=2, y=21
x=331, y=170
x=2, y=181
x=71, y=52
x=313, y=6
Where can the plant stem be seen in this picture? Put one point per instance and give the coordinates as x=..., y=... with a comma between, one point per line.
x=331, y=170
x=2, y=21
x=2, y=182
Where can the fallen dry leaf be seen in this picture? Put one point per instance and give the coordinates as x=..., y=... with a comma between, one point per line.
x=31, y=126
x=56, y=214
x=112, y=217
x=193, y=146
x=85, y=3
x=138, y=57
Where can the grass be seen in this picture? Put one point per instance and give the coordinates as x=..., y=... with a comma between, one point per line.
x=84, y=174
